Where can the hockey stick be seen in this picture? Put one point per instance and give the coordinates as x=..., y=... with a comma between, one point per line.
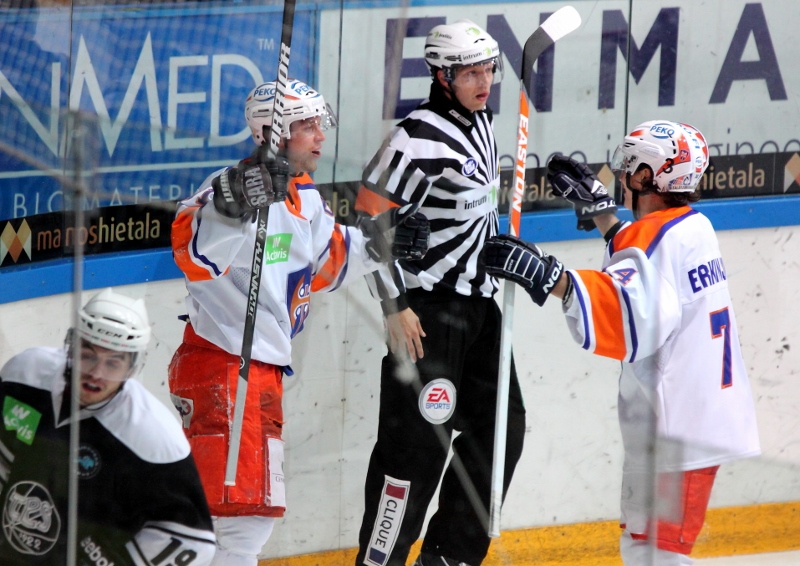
x=264, y=152
x=559, y=24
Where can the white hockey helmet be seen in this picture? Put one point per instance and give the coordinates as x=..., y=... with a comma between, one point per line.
x=116, y=322
x=301, y=102
x=460, y=44
x=677, y=153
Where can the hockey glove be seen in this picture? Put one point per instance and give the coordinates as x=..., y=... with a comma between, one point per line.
x=577, y=183
x=398, y=233
x=525, y=264
x=253, y=184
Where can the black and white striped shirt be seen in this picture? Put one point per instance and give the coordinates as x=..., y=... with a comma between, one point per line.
x=445, y=157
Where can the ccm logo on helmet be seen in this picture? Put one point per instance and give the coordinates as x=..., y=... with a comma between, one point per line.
x=662, y=131
x=109, y=333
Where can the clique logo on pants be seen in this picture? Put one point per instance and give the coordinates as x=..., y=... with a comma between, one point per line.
x=387, y=524
x=437, y=401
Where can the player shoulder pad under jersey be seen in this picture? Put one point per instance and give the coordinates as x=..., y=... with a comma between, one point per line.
x=35, y=367
x=143, y=424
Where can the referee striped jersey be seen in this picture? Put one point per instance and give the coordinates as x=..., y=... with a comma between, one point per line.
x=444, y=157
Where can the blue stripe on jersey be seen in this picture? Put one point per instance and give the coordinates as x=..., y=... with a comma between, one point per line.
x=344, y=268
x=200, y=256
x=586, y=330
x=664, y=229
x=631, y=324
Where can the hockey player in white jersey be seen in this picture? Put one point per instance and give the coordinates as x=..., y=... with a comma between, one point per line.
x=661, y=306
x=140, y=500
x=306, y=251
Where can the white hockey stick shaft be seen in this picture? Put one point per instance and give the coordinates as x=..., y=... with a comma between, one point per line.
x=270, y=151
x=559, y=24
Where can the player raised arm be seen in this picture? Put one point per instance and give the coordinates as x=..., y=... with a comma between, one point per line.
x=577, y=184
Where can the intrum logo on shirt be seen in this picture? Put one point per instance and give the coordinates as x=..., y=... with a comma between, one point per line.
x=391, y=509
x=22, y=418
x=437, y=401
x=94, y=552
x=31, y=523
x=277, y=248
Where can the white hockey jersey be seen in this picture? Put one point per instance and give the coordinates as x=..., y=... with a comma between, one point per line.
x=306, y=251
x=661, y=305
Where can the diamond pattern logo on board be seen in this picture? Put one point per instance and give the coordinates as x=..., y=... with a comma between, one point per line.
x=14, y=242
x=791, y=173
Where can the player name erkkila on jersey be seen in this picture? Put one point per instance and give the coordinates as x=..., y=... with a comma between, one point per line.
x=707, y=274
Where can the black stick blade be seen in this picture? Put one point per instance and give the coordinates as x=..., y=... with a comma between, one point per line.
x=560, y=23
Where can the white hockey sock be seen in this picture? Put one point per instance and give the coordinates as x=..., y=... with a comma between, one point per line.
x=641, y=553
x=240, y=539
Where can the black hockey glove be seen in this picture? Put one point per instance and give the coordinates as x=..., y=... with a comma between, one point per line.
x=577, y=183
x=253, y=184
x=399, y=233
x=525, y=264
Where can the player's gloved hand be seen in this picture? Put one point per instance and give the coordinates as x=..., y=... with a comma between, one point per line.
x=253, y=184
x=577, y=183
x=525, y=264
x=398, y=233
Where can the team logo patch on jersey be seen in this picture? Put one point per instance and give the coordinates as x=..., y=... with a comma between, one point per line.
x=22, y=418
x=437, y=401
x=469, y=167
x=31, y=523
x=387, y=524
x=276, y=248
x=89, y=462
x=298, y=298
x=185, y=408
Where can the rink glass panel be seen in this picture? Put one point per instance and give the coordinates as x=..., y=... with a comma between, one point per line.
x=112, y=112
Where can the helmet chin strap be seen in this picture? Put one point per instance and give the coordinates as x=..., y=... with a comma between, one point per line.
x=448, y=86
x=646, y=189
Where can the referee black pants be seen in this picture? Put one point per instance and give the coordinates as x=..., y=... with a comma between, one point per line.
x=462, y=346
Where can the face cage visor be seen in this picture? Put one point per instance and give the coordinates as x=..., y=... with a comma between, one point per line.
x=467, y=79
x=620, y=165
x=327, y=120
x=129, y=363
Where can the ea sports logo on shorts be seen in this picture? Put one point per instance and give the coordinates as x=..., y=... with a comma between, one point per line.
x=31, y=523
x=437, y=401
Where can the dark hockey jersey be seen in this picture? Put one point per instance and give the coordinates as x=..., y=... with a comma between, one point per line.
x=140, y=501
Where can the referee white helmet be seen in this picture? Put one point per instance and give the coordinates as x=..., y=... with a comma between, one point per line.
x=460, y=44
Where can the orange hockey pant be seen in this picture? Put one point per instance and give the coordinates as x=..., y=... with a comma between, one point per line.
x=202, y=383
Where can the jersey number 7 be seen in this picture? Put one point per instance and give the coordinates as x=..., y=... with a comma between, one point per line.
x=721, y=327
